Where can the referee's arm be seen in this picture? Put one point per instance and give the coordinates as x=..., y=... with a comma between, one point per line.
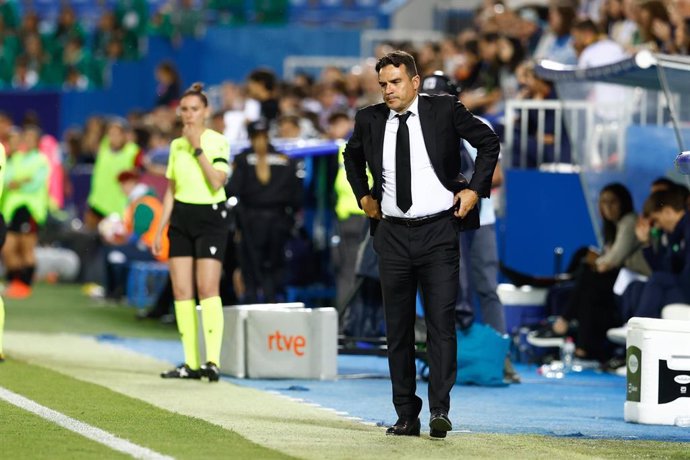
x=168, y=201
x=215, y=177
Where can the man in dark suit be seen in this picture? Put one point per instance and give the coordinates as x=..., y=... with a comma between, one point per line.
x=411, y=144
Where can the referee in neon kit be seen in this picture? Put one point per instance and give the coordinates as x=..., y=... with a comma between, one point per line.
x=194, y=208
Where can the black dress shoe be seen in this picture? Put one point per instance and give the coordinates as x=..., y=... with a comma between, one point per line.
x=439, y=424
x=405, y=427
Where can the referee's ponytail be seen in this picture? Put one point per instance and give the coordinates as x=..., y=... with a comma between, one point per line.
x=197, y=89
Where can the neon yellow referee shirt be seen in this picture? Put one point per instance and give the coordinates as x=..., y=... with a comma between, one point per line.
x=190, y=184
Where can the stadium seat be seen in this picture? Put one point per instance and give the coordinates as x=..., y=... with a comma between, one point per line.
x=676, y=311
x=618, y=335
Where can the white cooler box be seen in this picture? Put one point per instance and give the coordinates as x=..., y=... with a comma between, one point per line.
x=658, y=372
x=280, y=341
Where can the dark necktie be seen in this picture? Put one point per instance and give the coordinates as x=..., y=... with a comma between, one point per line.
x=403, y=189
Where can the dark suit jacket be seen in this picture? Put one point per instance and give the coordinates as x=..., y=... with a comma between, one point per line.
x=445, y=122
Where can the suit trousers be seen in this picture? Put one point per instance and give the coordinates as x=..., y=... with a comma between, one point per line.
x=426, y=256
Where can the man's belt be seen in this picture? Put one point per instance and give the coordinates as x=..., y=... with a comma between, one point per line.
x=417, y=221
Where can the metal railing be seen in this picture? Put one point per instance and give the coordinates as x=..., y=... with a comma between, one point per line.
x=597, y=132
x=576, y=116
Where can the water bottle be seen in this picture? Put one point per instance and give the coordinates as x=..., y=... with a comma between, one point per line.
x=567, y=354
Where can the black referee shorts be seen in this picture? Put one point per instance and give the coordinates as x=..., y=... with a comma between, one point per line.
x=199, y=230
x=22, y=222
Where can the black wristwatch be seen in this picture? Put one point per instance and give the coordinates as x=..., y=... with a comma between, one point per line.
x=198, y=152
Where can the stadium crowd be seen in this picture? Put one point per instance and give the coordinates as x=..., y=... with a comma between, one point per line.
x=488, y=63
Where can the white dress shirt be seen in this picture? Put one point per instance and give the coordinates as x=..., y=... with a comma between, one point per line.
x=429, y=196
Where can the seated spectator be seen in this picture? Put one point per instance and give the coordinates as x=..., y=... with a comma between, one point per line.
x=261, y=88
x=75, y=80
x=653, y=28
x=24, y=77
x=9, y=48
x=132, y=18
x=291, y=103
x=9, y=13
x=340, y=126
x=75, y=55
x=669, y=282
x=229, y=12
x=68, y=27
x=539, y=89
x=289, y=127
x=38, y=60
x=482, y=95
x=591, y=303
x=615, y=24
x=155, y=160
x=556, y=43
x=187, y=20
x=168, y=88
x=332, y=99
x=130, y=239
x=106, y=30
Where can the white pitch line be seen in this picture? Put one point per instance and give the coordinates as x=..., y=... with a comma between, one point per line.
x=81, y=428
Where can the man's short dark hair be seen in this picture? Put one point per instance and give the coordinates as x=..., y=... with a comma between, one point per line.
x=586, y=25
x=264, y=77
x=664, y=182
x=337, y=116
x=292, y=119
x=396, y=59
x=658, y=200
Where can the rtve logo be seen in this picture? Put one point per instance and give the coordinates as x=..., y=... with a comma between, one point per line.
x=294, y=343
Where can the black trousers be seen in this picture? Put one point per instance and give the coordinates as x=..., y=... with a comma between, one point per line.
x=264, y=235
x=593, y=304
x=425, y=256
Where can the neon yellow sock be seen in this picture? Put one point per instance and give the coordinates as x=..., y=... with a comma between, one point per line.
x=213, y=321
x=187, y=324
x=2, y=321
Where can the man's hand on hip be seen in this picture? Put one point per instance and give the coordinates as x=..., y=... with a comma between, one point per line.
x=371, y=207
x=464, y=201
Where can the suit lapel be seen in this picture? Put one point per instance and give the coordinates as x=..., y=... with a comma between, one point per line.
x=427, y=120
x=378, y=131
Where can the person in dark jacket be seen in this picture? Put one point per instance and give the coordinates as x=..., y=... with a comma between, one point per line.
x=269, y=191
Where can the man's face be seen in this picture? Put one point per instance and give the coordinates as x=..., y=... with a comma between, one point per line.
x=580, y=39
x=666, y=218
x=397, y=88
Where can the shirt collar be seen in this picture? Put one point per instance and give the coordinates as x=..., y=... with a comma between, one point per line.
x=413, y=109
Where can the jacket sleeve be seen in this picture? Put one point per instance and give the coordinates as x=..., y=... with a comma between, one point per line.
x=355, y=161
x=482, y=138
x=624, y=243
x=297, y=184
x=236, y=183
